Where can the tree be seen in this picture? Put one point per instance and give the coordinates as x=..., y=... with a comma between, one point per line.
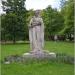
x=14, y=6
x=3, y=32
x=16, y=18
x=9, y=27
x=62, y=3
x=52, y=20
x=68, y=11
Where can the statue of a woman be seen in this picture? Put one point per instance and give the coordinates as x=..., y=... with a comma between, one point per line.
x=36, y=32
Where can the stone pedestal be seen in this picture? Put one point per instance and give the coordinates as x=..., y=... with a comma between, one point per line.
x=40, y=55
x=30, y=56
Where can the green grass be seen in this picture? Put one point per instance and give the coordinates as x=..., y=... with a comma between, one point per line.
x=42, y=68
x=37, y=68
x=60, y=47
x=12, y=49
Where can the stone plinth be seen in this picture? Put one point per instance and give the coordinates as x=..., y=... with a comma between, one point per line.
x=39, y=54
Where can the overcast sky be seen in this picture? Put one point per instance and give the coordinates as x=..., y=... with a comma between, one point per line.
x=38, y=4
x=42, y=4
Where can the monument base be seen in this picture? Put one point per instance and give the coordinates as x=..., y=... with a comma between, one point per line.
x=37, y=54
x=40, y=54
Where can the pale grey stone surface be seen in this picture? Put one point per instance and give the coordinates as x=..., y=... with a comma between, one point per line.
x=39, y=54
x=36, y=32
x=36, y=37
x=7, y=62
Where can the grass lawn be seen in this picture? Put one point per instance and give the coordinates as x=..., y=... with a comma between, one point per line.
x=41, y=68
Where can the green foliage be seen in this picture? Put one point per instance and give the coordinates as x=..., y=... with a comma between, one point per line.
x=14, y=23
x=52, y=21
x=14, y=6
x=68, y=14
x=30, y=14
x=9, y=25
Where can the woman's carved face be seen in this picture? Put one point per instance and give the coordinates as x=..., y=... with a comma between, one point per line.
x=37, y=13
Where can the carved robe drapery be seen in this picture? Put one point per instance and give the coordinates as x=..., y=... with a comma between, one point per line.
x=36, y=33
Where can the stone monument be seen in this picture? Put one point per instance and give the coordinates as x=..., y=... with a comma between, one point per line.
x=36, y=32
x=36, y=37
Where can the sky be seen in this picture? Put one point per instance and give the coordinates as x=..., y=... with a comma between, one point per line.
x=38, y=4
x=41, y=4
